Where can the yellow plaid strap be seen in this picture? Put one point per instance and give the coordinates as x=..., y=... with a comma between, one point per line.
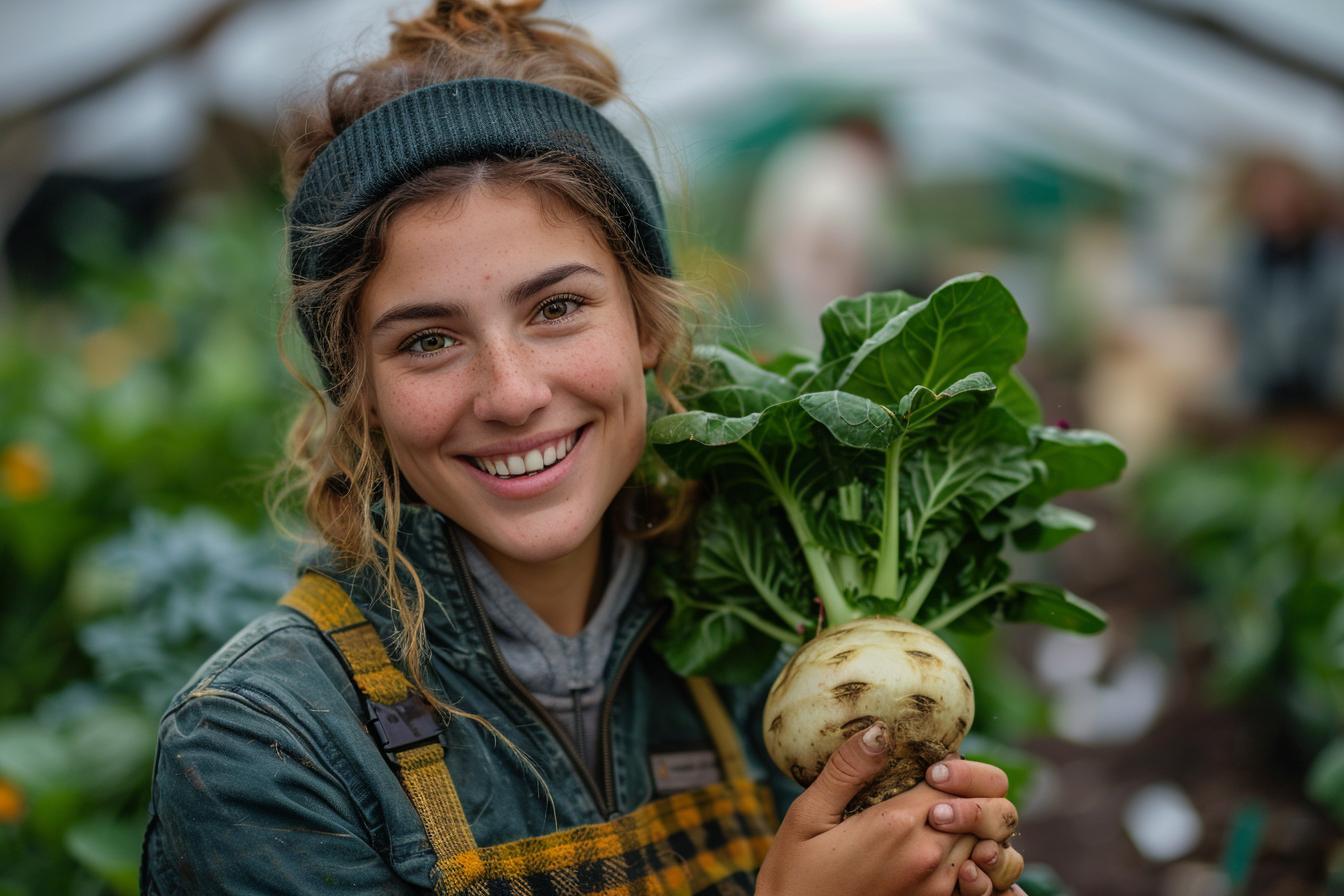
x=400, y=719
x=707, y=840
x=721, y=728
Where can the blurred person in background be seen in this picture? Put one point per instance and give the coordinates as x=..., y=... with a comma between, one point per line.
x=459, y=693
x=822, y=223
x=1285, y=289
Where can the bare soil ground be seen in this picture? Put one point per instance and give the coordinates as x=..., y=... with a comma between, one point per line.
x=1225, y=758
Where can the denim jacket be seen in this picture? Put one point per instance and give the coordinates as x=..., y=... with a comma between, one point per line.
x=267, y=781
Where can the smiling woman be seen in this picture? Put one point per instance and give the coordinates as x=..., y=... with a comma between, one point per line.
x=458, y=694
x=533, y=353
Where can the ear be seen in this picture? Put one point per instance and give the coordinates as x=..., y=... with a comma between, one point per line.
x=370, y=410
x=650, y=352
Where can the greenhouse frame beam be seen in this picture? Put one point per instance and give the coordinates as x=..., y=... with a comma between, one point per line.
x=1243, y=40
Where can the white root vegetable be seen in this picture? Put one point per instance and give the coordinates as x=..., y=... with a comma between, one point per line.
x=876, y=668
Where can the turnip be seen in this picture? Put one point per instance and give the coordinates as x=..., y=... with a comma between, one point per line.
x=879, y=668
x=901, y=462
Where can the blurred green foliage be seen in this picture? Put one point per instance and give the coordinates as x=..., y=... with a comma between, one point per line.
x=144, y=389
x=1262, y=535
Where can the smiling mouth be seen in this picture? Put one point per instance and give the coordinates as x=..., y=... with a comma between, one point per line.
x=529, y=463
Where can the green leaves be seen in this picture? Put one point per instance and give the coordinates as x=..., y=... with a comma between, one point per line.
x=1072, y=459
x=741, y=553
x=1049, y=526
x=847, y=323
x=922, y=406
x=969, y=324
x=1258, y=532
x=1325, y=780
x=853, y=421
x=110, y=847
x=1053, y=606
x=884, y=476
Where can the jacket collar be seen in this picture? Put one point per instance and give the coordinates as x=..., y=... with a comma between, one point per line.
x=456, y=627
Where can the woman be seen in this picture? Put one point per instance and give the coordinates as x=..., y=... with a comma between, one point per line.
x=459, y=693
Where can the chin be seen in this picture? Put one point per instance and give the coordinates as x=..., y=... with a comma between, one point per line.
x=541, y=542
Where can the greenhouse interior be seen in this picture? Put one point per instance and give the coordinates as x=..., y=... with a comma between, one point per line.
x=1159, y=184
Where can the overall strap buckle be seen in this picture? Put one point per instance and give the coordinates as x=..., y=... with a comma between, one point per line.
x=399, y=726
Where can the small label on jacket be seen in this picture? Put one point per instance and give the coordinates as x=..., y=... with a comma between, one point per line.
x=684, y=770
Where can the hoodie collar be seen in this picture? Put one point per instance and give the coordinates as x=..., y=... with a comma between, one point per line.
x=456, y=624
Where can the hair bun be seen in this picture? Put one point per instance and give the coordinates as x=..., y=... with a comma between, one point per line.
x=465, y=16
x=504, y=38
x=454, y=40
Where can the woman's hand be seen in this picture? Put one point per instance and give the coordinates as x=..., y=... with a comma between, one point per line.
x=899, y=847
x=983, y=875
x=993, y=867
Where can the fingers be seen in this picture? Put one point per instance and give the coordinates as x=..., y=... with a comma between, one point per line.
x=1008, y=871
x=961, y=777
x=1002, y=864
x=987, y=854
x=971, y=881
x=988, y=819
x=846, y=772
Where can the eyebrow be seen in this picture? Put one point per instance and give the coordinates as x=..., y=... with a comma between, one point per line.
x=516, y=296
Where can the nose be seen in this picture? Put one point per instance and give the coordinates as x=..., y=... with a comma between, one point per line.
x=511, y=383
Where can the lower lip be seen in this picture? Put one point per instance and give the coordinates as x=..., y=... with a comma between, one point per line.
x=533, y=484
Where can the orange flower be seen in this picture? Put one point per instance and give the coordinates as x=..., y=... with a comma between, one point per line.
x=25, y=473
x=11, y=802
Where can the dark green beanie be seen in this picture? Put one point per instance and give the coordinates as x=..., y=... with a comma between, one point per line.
x=459, y=121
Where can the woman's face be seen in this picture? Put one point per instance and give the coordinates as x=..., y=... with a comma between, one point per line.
x=506, y=372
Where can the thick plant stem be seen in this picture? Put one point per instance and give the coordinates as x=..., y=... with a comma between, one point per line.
x=962, y=607
x=887, y=577
x=768, y=629
x=833, y=601
x=837, y=608
x=791, y=617
x=915, y=600
x=847, y=568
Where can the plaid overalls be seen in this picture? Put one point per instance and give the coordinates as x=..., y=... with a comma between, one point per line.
x=708, y=840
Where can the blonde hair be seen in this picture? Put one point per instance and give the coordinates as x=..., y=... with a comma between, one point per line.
x=334, y=458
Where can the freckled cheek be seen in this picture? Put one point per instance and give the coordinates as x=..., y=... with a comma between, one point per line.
x=592, y=379
x=618, y=389
x=598, y=370
x=421, y=417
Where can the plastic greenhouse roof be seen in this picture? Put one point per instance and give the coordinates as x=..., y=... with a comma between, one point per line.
x=1105, y=87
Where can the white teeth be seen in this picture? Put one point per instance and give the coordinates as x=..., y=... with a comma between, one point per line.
x=533, y=461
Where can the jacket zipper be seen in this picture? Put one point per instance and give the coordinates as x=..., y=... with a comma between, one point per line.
x=604, y=800
x=609, y=700
x=576, y=708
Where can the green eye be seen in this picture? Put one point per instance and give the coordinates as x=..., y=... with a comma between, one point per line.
x=558, y=308
x=427, y=343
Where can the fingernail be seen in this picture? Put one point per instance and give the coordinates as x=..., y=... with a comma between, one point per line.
x=942, y=813
x=875, y=738
x=970, y=872
x=992, y=860
x=939, y=773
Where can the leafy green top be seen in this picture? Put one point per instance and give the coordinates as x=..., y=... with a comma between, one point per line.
x=885, y=476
